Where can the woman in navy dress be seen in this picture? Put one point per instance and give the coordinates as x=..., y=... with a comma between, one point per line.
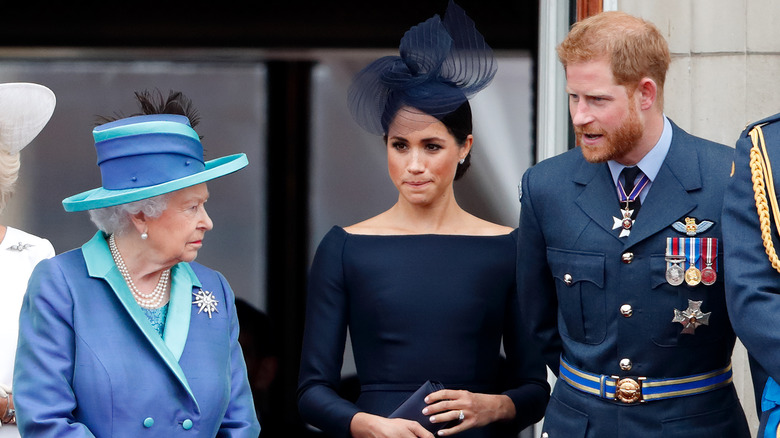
x=426, y=290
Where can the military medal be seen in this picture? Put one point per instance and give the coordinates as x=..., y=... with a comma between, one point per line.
x=626, y=222
x=675, y=255
x=675, y=274
x=710, y=251
x=692, y=274
x=708, y=276
x=692, y=317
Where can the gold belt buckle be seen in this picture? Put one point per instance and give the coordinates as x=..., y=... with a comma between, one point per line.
x=628, y=390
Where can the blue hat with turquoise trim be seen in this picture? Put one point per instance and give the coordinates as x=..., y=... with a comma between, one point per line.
x=144, y=156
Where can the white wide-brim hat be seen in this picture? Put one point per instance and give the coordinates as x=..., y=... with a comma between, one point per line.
x=25, y=108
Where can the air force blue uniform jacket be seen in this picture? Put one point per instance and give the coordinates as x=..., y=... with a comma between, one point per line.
x=602, y=302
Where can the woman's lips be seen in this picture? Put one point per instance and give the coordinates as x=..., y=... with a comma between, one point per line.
x=417, y=184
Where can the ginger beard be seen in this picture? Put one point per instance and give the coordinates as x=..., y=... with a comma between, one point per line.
x=615, y=144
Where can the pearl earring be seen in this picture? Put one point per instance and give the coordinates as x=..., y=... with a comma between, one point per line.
x=462, y=160
x=144, y=236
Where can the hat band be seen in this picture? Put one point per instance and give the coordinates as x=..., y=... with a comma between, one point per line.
x=170, y=125
x=136, y=171
x=130, y=159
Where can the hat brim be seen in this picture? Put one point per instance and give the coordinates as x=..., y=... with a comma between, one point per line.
x=100, y=197
x=25, y=108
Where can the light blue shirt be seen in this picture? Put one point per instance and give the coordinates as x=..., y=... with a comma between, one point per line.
x=651, y=163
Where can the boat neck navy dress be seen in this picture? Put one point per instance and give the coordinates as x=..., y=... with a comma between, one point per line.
x=418, y=307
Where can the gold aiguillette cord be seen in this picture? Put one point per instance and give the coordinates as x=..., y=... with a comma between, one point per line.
x=761, y=172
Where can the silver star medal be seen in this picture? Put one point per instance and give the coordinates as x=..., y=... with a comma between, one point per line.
x=625, y=223
x=20, y=247
x=205, y=301
x=692, y=317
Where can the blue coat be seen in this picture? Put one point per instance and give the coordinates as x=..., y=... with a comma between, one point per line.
x=89, y=363
x=753, y=285
x=566, y=233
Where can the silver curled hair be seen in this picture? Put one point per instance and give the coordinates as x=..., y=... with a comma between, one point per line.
x=9, y=173
x=117, y=219
x=442, y=63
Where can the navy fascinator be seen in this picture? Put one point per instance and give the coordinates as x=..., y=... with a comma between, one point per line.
x=442, y=63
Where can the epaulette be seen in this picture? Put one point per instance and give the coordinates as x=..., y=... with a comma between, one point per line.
x=765, y=121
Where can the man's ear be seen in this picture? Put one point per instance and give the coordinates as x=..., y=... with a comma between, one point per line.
x=648, y=93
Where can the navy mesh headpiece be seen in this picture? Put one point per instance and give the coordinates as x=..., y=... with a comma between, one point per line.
x=442, y=64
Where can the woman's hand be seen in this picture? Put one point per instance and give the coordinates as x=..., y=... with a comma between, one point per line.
x=366, y=425
x=6, y=406
x=475, y=409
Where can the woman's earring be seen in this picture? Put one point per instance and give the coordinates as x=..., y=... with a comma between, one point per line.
x=462, y=160
x=144, y=236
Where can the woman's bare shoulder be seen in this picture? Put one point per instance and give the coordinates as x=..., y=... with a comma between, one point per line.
x=480, y=227
x=377, y=225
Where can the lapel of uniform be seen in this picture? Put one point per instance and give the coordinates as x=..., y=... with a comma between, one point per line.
x=598, y=198
x=100, y=264
x=669, y=199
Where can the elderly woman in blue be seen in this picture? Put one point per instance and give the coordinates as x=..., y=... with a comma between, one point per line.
x=127, y=336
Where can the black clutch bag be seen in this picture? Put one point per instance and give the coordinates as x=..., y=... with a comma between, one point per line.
x=411, y=408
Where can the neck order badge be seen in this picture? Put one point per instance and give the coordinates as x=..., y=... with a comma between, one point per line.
x=629, y=194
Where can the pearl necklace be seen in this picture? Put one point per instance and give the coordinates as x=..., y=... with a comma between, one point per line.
x=149, y=301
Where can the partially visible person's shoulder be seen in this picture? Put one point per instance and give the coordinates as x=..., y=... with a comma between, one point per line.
x=772, y=123
x=33, y=247
x=681, y=135
x=15, y=236
x=766, y=129
x=209, y=278
x=712, y=153
x=563, y=161
x=714, y=158
x=560, y=168
x=545, y=178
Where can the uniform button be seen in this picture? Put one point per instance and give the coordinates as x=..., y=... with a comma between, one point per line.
x=544, y=435
x=567, y=279
x=149, y=422
x=625, y=364
x=626, y=310
x=627, y=257
x=186, y=424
